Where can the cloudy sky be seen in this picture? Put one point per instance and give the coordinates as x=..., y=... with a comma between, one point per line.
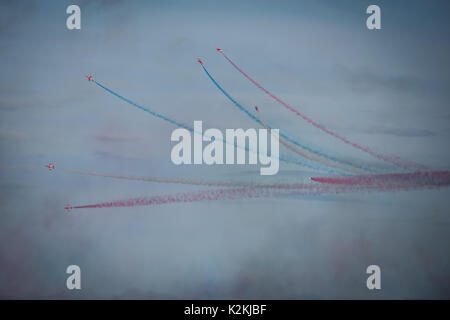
x=387, y=89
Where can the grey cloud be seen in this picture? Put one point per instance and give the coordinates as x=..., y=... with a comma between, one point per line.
x=14, y=13
x=364, y=79
x=402, y=132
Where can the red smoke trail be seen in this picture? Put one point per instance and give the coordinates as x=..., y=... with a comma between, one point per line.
x=394, y=160
x=309, y=155
x=258, y=192
x=220, y=194
x=419, y=178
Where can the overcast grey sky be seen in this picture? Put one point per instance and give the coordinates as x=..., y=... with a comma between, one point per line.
x=387, y=89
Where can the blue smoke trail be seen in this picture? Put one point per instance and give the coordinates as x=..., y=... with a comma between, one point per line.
x=240, y=107
x=153, y=113
x=182, y=125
